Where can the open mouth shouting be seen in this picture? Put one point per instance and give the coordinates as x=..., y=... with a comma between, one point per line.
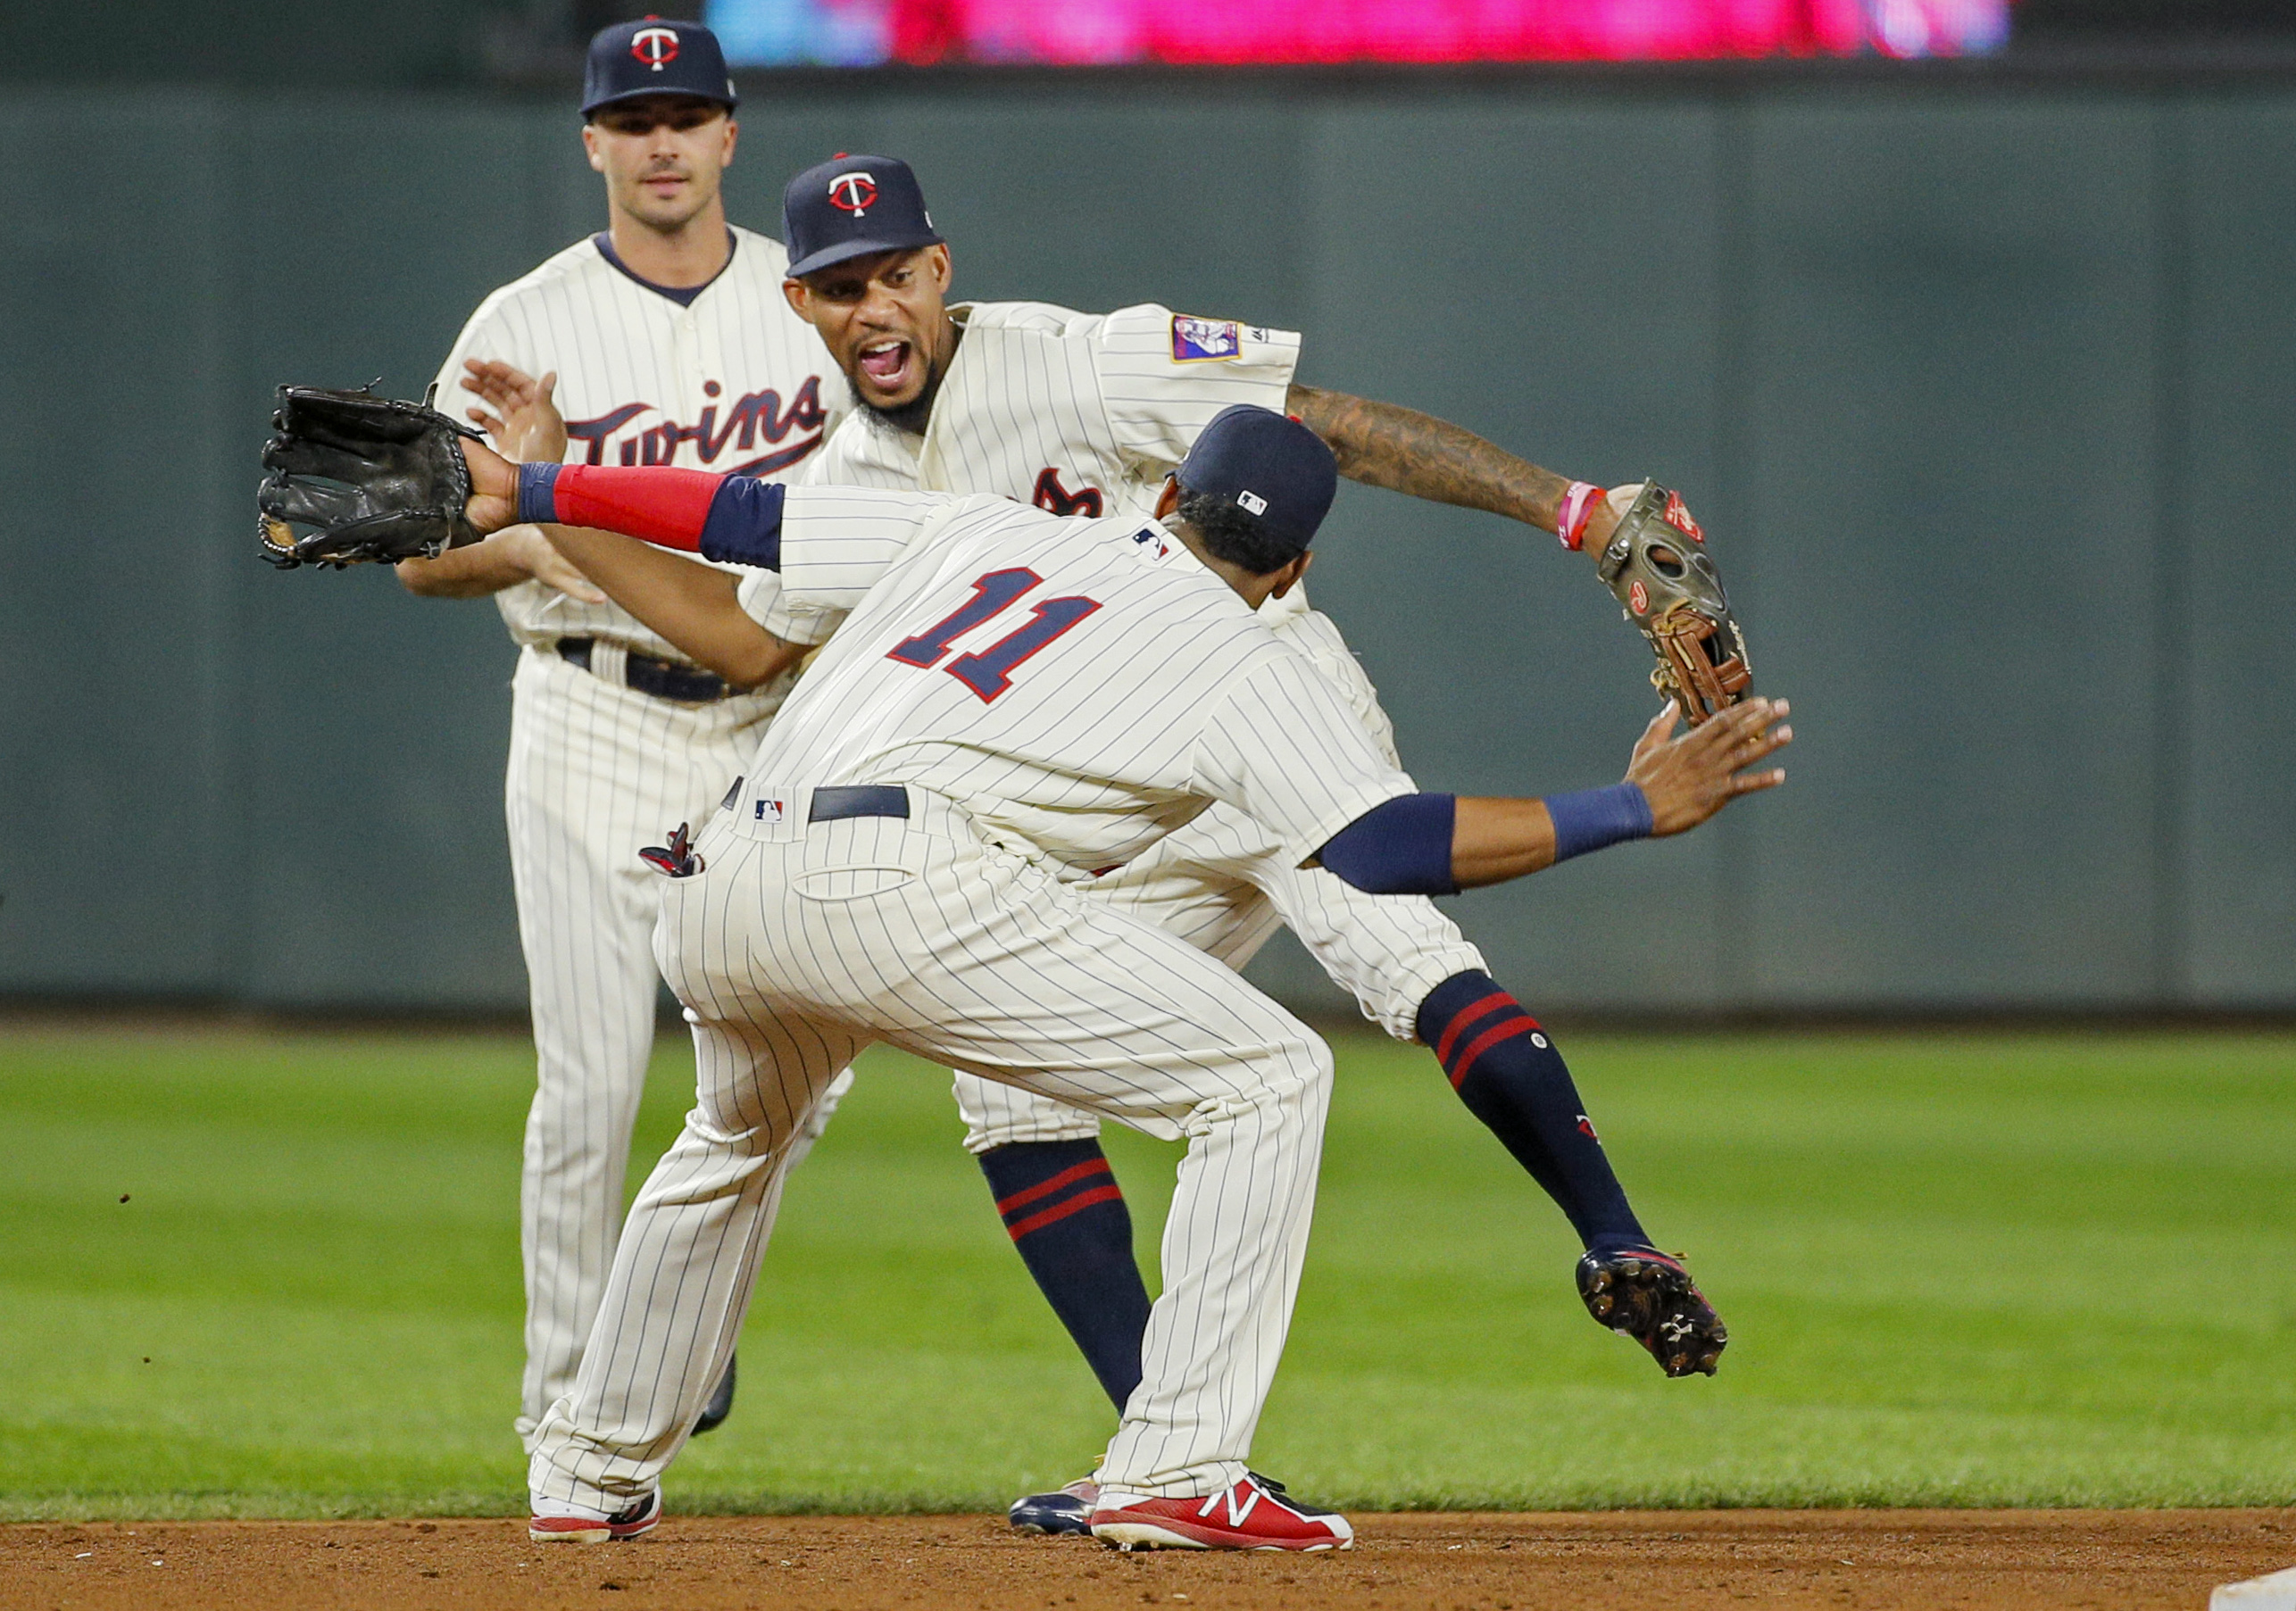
x=887, y=368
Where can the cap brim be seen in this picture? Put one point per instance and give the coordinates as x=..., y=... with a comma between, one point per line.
x=844, y=252
x=727, y=101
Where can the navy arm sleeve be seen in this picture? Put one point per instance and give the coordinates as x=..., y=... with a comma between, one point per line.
x=1401, y=847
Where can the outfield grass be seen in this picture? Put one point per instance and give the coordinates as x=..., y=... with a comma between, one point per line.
x=1959, y=1270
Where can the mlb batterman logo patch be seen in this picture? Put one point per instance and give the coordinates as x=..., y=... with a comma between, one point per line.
x=1201, y=340
x=657, y=47
x=771, y=810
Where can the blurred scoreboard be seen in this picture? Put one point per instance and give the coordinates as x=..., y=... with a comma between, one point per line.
x=870, y=33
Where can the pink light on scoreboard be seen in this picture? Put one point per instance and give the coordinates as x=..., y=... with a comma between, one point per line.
x=1228, y=32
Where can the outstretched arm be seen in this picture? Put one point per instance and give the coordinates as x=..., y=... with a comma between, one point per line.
x=520, y=554
x=697, y=609
x=694, y=607
x=844, y=536
x=1385, y=444
x=1435, y=845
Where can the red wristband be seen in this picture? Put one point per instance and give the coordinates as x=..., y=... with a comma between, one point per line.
x=656, y=504
x=1570, y=519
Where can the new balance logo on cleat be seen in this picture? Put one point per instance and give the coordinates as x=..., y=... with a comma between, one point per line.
x=1256, y=1514
x=1645, y=1295
x=637, y=1521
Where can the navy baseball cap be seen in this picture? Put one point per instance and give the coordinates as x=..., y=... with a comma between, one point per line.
x=852, y=206
x=1267, y=464
x=654, y=57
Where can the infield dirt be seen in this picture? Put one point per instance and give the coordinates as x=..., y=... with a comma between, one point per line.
x=1684, y=1560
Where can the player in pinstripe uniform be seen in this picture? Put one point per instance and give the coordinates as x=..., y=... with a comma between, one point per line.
x=672, y=344
x=1080, y=414
x=1017, y=704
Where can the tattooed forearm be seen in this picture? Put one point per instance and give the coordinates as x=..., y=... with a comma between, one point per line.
x=1381, y=444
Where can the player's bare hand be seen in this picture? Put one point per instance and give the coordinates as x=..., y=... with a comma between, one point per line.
x=1689, y=777
x=494, y=487
x=526, y=547
x=520, y=412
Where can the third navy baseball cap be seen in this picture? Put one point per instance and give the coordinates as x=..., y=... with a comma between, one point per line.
x=852, y=206
x=654, y=57
x=1267, y=464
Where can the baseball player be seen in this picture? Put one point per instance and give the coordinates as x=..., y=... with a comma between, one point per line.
x=902, y=861
x=1081, y=414
x=1086, y=414
x=672, y=344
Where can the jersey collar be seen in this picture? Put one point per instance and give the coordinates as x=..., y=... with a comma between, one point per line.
x=682, y=295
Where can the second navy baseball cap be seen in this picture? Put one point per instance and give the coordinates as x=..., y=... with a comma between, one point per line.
x=852, y=206
x=1268, y=465
x=654, y=57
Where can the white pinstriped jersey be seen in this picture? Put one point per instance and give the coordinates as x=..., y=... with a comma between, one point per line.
x=734, y=382
x=1082, y=413
x=1088, y=685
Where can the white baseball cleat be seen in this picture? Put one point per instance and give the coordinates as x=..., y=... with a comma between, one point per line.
x=1254, y=1514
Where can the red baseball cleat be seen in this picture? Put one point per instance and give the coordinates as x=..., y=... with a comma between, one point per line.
x=1253, y=1515
x=637, y=1521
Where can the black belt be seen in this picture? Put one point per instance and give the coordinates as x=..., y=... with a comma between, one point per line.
x=858, y=800
x=663, y=679
x=846, y=799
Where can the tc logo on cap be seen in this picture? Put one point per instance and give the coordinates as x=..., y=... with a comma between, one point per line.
x=657, y=47
x=853, y=192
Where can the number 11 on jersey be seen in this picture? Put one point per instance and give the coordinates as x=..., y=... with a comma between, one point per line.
x=988, y=672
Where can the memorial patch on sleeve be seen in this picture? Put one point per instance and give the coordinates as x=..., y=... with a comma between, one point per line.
x=1202, y=340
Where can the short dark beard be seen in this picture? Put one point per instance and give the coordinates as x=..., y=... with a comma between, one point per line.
x=912, y=416
x=909, y=418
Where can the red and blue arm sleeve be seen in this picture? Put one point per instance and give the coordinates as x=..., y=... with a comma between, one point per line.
x=734, y=520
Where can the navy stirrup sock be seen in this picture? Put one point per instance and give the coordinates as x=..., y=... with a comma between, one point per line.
x=1066, y=1214
x=1510, y=1076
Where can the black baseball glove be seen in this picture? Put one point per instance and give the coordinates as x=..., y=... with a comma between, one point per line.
x=1656, y=562
x=381, y=480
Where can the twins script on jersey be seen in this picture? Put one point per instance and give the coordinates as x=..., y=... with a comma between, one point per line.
x=729, y=380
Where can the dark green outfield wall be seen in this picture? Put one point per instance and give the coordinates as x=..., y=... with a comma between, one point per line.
x=1983, y=389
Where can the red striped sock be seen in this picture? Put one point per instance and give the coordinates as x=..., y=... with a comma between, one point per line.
x=1508, y=1072
x=1065, y=1212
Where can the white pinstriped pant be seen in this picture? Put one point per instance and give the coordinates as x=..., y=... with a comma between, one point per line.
x=1216, y=885
x=1223, y=885
x=797, y=947
x=595, y=771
